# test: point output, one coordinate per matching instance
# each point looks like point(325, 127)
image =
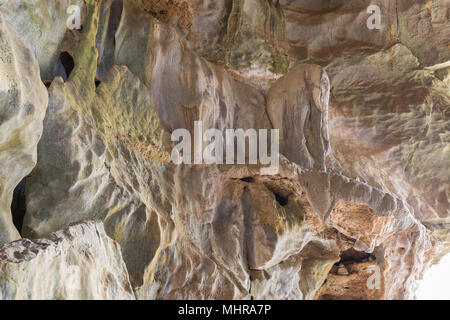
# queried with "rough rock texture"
point(402, 135)
point(359, 206)
point(81, 262)
point(297, 105)
point(41, 25)
point(23, 101)
point(247, 36)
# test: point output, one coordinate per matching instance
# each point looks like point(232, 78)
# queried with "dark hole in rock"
point(351, 256)
point(281, 200)
point(97, 82)
point(47, 83)
point(67, 62)
point(281, 194)
point(18, 205)
point(247, 179)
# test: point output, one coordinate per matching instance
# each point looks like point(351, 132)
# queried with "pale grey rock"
point(131, 42)
point(73, 181)
point(80, 262)
point(41, 25)
point(210, 234)
point(319, 32)
point(208, 231)
point(183, 86)
point(109, 20)
point(23, 101)
point(342, 26)
point(247, 36)
point(297, 105)
point(401, 145)
point(300, 275)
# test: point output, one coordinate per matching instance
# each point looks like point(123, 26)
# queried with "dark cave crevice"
point(18, 205)
point(352, 256)
point(282, 200)
point(280, 193)
point(67, 62)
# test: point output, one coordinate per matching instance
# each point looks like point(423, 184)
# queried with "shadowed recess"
point(18, 205)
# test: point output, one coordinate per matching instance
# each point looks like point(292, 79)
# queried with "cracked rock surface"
point(23, 101)
point(80, 262)
point(358, 209)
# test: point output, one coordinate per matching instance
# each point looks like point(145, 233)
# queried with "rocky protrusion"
point(297, 105)
point(23, 101)
point(80, 262)
point(41, 25)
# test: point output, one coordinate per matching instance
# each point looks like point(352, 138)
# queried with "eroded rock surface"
point(80, 262)
point(23, 101)
point(358, 208)
point(42, 26)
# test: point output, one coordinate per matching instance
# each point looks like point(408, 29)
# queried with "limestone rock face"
point(406, 133)
point(358, 208)
point(248, 36)
point(73, 150)
point(23, 101)
point(80, 262)
point(297, 105)
point(41, 25)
